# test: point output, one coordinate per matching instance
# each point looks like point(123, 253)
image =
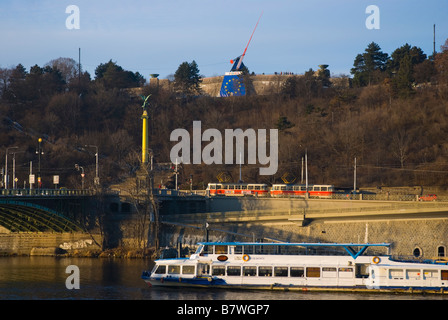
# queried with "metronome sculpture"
point(145, 134)
point(232, 84)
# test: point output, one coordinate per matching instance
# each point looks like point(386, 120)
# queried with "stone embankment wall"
point(45, 243)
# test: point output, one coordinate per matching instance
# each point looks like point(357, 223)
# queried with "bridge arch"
point(18, 216)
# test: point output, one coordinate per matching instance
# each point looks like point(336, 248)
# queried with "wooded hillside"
point(394, 123)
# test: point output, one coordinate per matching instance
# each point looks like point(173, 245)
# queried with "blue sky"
point(157, 36)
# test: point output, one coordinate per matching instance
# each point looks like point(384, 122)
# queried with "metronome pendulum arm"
point(244, 53)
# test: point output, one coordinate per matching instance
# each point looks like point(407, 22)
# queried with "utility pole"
point(354, 179)
point(306, 174)
point(434, 42)
point(6, 166)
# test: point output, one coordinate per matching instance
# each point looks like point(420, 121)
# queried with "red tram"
point(299, 190)
point(276, 191)
point(238, 189)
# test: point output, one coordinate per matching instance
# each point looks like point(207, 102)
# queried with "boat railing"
point(414, 259)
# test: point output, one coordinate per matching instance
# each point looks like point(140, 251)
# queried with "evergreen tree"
point(368, 66)
point(187, 79)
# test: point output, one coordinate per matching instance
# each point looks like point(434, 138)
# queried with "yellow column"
point(145, 137)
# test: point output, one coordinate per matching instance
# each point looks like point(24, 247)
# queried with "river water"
point(45, 278)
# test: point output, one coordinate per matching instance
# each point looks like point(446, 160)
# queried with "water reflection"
point(111, 279)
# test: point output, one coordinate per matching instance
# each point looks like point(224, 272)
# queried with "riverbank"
point(145, 253)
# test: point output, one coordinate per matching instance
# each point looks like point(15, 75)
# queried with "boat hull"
point(222, 284)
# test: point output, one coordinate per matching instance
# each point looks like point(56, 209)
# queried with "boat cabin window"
point(444, 274)
point(362, 270)
point(233, 271)
point(280, 271)
point(265, 271)
point(413, 274)
point(345, 272)
point(221, 249)
point(187, 269)
point(218, 270)
point(249, 249)
point(250, 271)
point(206, 249)
point(173, 269)
point(313, 272)
point(329, 272)
point(297, 272)
point(430, 274)
point(203, 269)
point(161, 270)
point(238, 249)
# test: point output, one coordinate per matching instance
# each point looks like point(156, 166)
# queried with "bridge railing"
point(45, 192)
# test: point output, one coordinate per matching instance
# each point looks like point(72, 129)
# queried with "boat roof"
point(354, 249)
point(304, 244)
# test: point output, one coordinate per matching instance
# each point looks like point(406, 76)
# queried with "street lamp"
point(39, 152)
point(97, 178)
point(6, 165)
point(77, 167)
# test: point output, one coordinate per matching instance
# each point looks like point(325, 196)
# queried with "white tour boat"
point(299, 266)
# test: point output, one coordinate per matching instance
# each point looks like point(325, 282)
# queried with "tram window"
point(280, 271)
point(265, 271)
point(243, 187)
point(313, 272)
point(441, 251)
point(187, 269)
point(218, 270)
point(283, 188)
point(257, 188)
point(296, 272)
point(220, 249)
point(238, 250)
point(173, 269)
point(323, 188)
point(249, 271)
point(161, 270)
point(233, 271)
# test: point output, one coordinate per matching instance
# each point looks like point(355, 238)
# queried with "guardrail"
point(45, 192)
